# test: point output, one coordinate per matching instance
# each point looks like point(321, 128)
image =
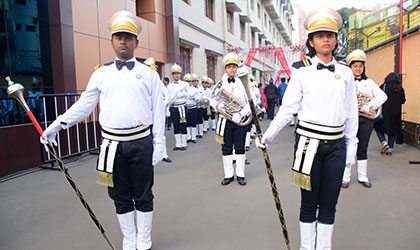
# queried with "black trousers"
point(200, 115)
point(213, 114)
point(133, 176)
point(363, 134)
point(192, 117)
point(326, 176)
point(179, 128)
point(271, 103)
point(205, 115)
point(234, 136)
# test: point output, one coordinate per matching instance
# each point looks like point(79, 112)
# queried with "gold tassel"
point(105, 178)
point(302, 180)
point(183, 120)
point(219, 139)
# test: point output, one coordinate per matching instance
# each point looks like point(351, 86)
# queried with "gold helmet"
point(231, 58)
point(124, 21)
point(151, 62)
point(357, 55)
point(205, 79)
point(176, 69)
point(323, 19)
point(188, 77)
point(195, 77)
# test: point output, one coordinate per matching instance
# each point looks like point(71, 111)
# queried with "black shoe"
point(176, 148)
point(204, 131)
point(183, 148)
point(247, 162)
point(345, 184)
point(199, 136)
point(167, 159)
point(213, 129)
point(188, 141)
point(194, 141)
point(169, 129)
point(246, 148)
point(241, 181)
point(366, 184)
point(226, 181)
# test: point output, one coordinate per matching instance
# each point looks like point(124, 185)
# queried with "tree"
point(343, 37)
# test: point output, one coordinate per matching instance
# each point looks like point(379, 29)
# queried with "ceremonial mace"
point(242, 73)
point(15, 90)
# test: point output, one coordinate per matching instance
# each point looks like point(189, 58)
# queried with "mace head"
point(14, 90)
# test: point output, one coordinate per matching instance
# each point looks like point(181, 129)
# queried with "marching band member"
point(152, 64)
point(200, 105)
point(192, 110)
point(213, 112)
point(228, 132)
point(205, 82)
point(356, 60)
point(132, 114)
point(323, 94)
point(178, 95)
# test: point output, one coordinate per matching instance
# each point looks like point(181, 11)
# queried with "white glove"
point(365, 108)
point(236, 118)
point(48, 137)
point(158, 149)
point(260, 144)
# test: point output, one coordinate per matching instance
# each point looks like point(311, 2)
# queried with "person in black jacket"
point(391, 110)
point(271, 92)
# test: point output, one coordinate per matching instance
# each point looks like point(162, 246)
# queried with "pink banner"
point(283, 62)
point(250, 57)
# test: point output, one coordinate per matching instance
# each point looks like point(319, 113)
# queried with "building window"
point(252, 4)
point(269, 25)
point(211, 67)
point(185, 54)
point(252, 39)
point(210, 9)
point(259, 10)
point(229, 21)
point(265, 20)
point(260, 42)
point(243, 32)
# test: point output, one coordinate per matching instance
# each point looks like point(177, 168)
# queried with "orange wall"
point(92, 45)
point(380, 62)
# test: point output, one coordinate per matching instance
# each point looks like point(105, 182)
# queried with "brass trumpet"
point(228, 105)
point(363, 99)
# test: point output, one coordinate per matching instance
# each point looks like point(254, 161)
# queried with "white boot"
point(178, 143)
point(347, 174)
point(228, 165)
point(206, 126)
point(144, 229)
point(362, 171)
point(200, 129)
point(324, 236)
point(194, 133)
point(213, 124)
point(307, 235)
point(128, 229)
point(247, 139)
point(240, 165)
point(189, 133)
point(183, 140)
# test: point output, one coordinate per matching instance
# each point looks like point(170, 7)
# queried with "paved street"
point(193, 211)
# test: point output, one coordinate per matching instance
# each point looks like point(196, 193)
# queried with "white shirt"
point(128, 98)
point(193, 94)
point(370, 88)
point(235, 89)
point(180, 89)
point(321, 97)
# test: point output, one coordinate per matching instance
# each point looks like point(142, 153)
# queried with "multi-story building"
point(368, 28)
point(208, 28)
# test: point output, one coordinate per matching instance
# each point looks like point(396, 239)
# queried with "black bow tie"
point(120, 64)
point(329, 67)
point(176, 82)
point(231, 80)
point(358, 79)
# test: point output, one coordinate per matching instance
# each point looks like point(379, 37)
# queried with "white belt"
point(320, 132)
point(125, 134)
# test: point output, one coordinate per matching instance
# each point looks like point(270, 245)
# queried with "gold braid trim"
point(302, 180)
point(105, 178)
